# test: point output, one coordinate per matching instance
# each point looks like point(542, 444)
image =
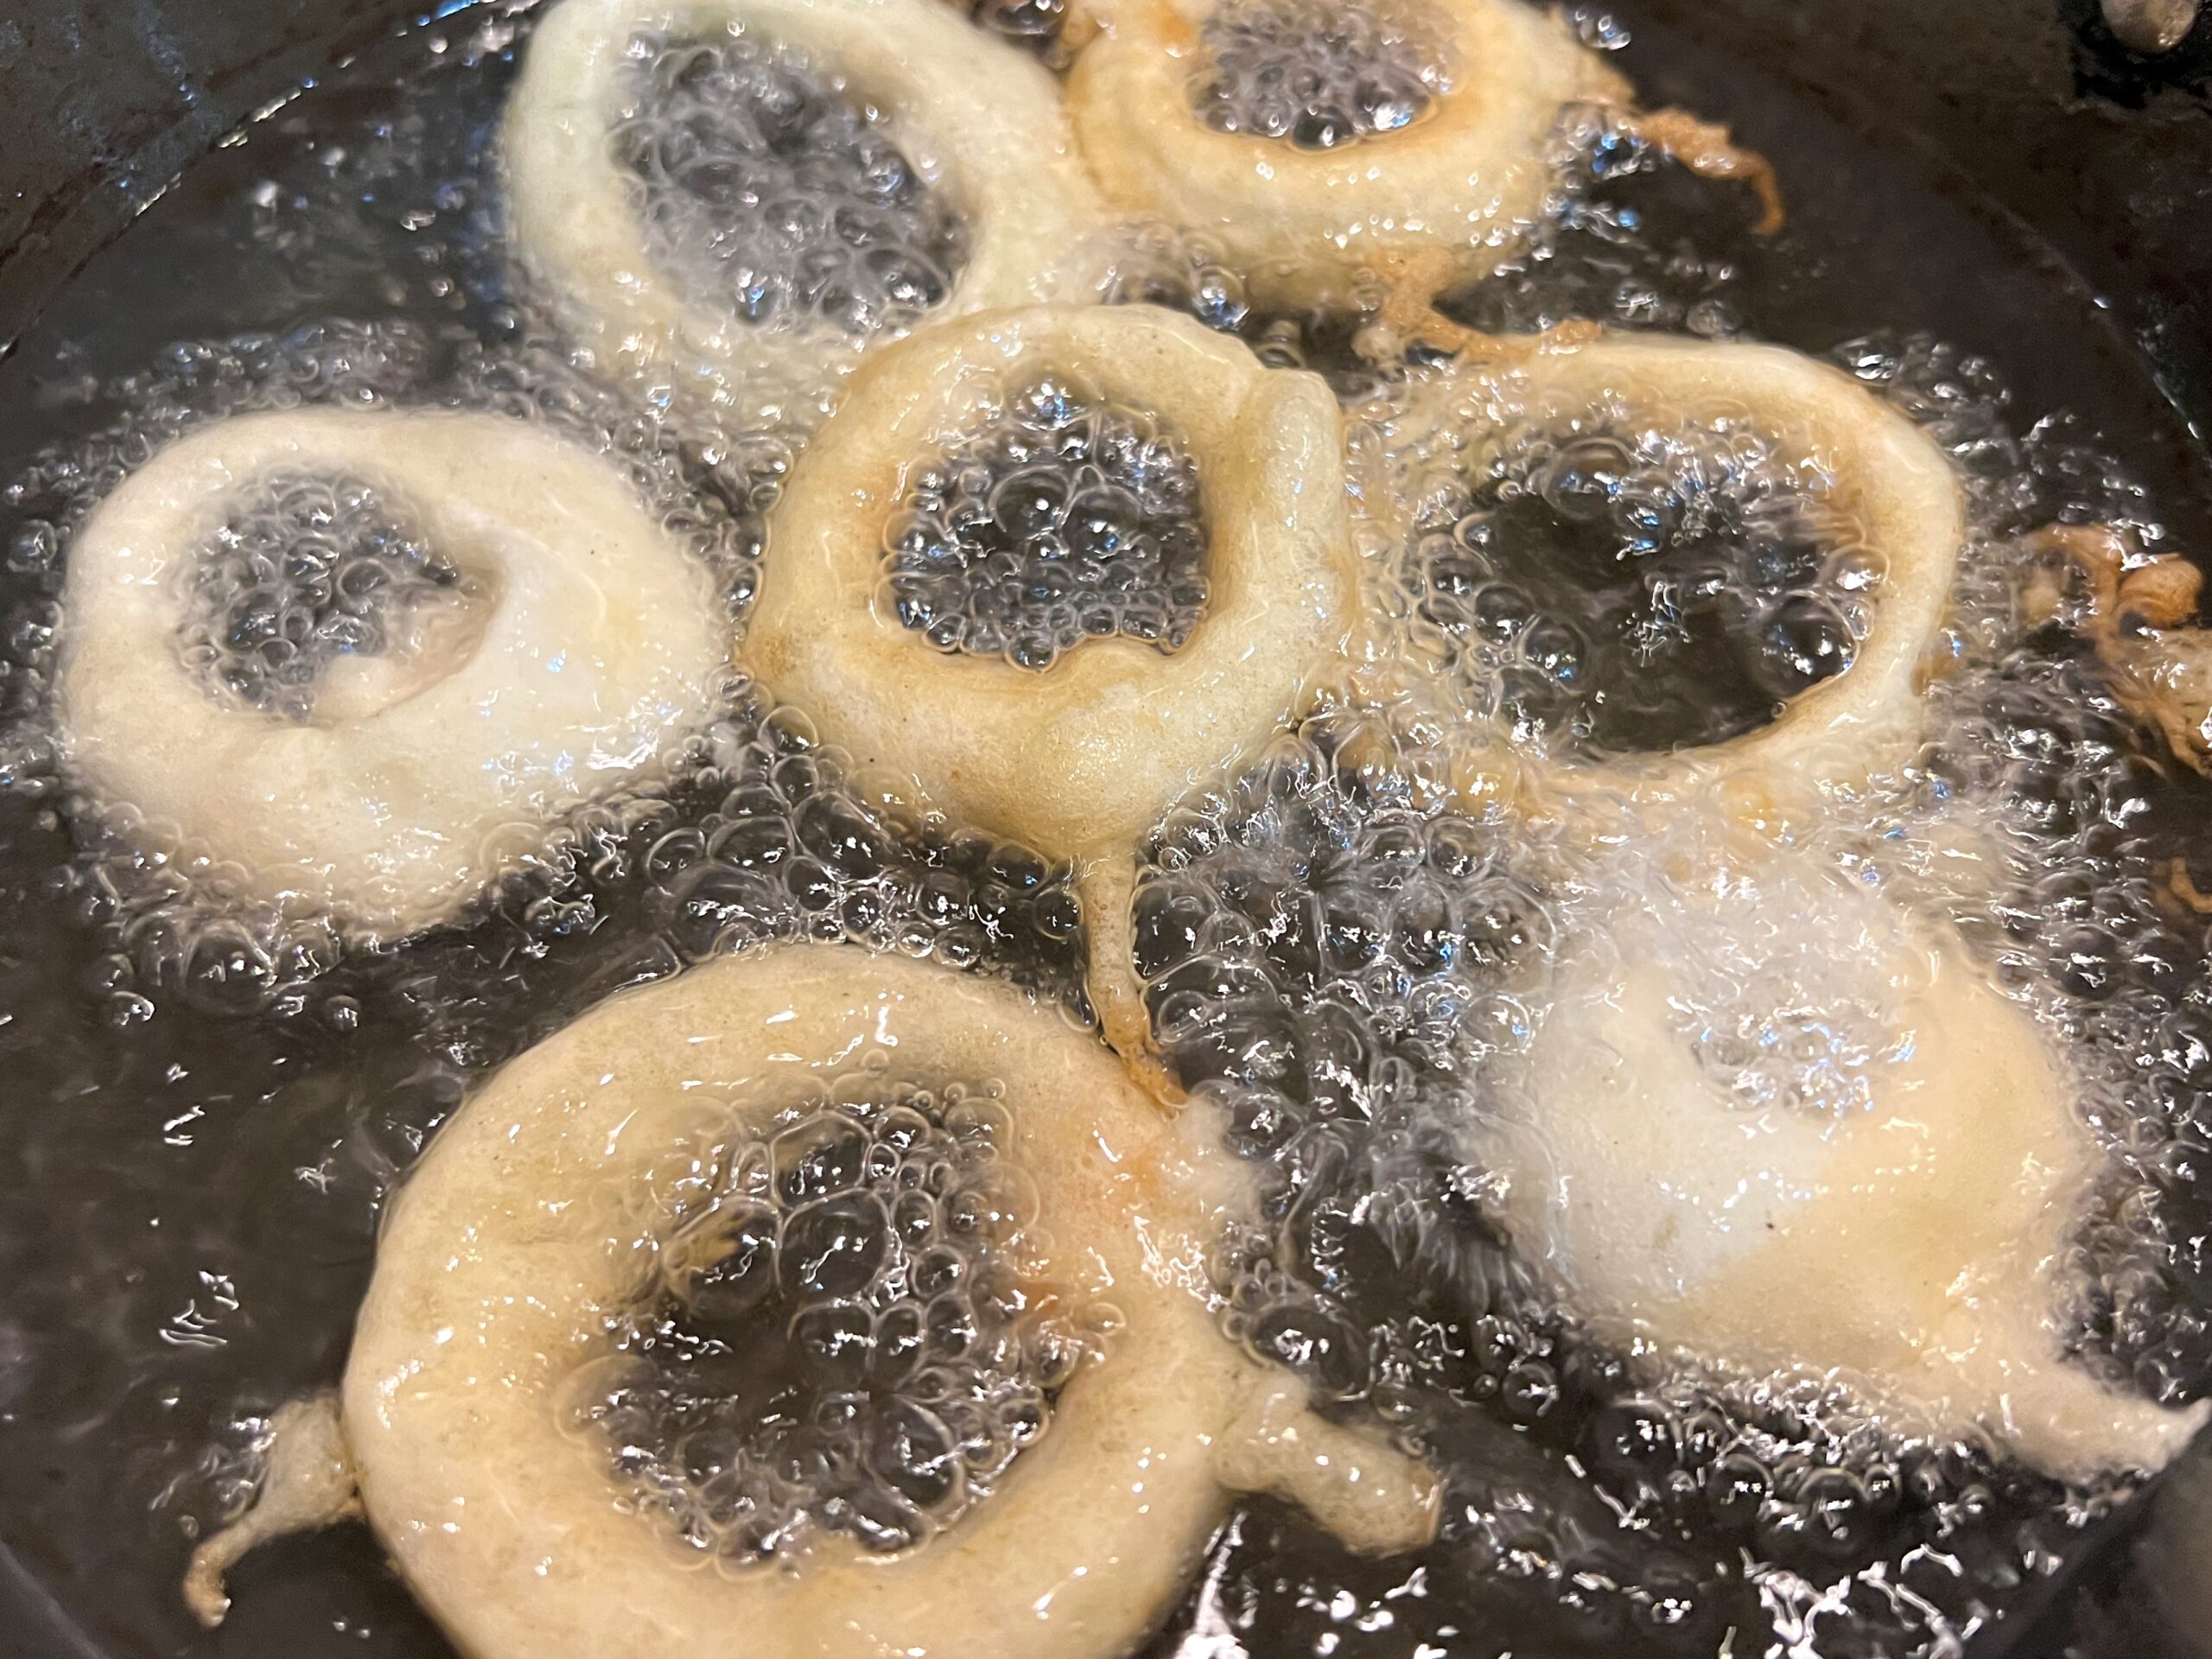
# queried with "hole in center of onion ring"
point(315, 601)
point(1639, 591)
point(770, 185)
point(1317, 75)
point(1059, 517)
point(838, 1338)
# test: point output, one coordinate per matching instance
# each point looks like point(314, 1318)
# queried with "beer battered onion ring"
point(974, 114)
point(523, 1233)
point(592, 642)
point(1890, 487)
point(1443, 200)
point(1898, 1213)
point(1081, 759)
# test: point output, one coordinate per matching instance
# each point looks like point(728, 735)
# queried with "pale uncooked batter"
point(1773, 1123)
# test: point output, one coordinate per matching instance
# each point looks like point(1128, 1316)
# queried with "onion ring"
point(1079, 760)
point(523, 1229)
point(1888, 485)
point(1776, 1124)
point(973, 115)
point(594, 645)
point(1443, 200)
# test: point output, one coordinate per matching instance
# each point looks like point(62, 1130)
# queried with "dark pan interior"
point(2079, 255)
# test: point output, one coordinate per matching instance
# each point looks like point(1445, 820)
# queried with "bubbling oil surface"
point(1639, 591)
point(304, 570)
point(773, 189)
point(836, 1342)
point(1318, 76)
point(1349, 964)
point(1061, 519)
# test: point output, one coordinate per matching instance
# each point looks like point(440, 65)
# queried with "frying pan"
point(2076, 250)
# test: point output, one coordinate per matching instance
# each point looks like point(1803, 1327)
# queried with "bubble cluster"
point(791, 844)
point(1351, 965)
point(836, 1341)
point(1808, 1040)
point(1632, 590)
point(210, 1048)
point(303, 569)
point(1152, 262)
point(770, 187)
point(2081, 902)
point(1611, 246)
point(1382, 1269)
point(1317, 75)
point(1061, 517)
point(2032, 823)
point(758, 833)
point(1334, 952)
point(1324, 935)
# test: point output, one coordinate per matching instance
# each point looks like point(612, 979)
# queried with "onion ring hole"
point(1657, 562)
point(372, 659)
point(1317, 75)
point(734, 1267)
point(1081, 758)
point(839, 1343)
point(739, 198)
point(1645, 591)
point(1057, 521)
point(305, 569)
point(762, 181)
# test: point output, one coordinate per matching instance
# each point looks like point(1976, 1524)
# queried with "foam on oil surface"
point(1318, 938)
point(835, 1344)
point(1059, 518)
point(772, 188)
point(1146, 262)
point(1318, 76)
point(2076, 903)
